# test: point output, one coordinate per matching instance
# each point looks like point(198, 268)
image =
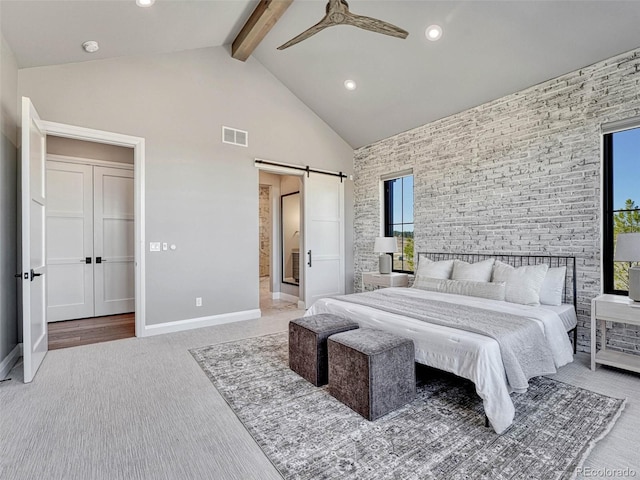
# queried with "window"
point(621, 201)
point(398, 220)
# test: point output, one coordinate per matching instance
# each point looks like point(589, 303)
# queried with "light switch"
point(154, 246)
point(164, 246)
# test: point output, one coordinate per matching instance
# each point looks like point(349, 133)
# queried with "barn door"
point(324, 270)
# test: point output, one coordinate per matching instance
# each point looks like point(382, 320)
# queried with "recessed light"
point(433, 32)
point(145, 3)
point(91, 46)
point(350, 84)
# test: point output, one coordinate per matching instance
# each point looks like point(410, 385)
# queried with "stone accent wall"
point(265, 229)
point(517, 175)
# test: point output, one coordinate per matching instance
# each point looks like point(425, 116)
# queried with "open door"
point(324, 269)
point(33, 204)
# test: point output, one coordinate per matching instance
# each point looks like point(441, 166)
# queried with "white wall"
point(201, 194)
point(8, 210)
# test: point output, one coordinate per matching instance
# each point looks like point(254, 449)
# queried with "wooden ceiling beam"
point(261, 21)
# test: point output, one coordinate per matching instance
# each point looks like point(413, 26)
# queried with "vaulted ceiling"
point(489, 48)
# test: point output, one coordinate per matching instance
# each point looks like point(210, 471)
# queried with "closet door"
point(113, 241)
point(69, 241)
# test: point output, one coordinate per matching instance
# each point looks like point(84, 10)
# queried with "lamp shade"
point(385, 245)
point(627, 247)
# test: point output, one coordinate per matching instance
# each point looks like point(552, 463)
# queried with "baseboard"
point(9, 361)
point(301, 305)
point(191, 323)
point(286, 297)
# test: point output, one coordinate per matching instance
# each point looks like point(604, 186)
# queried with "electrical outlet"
point(198, 301)
point(154, 246)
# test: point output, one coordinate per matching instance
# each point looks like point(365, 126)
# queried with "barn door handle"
point(100, 260)
point(309, 263)
point(86, 260)
point(34, 274)
point(19, 275)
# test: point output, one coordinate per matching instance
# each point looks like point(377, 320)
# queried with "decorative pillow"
point(553, 286)
point(493, 291)
point(523, 283)
point(431, 269)
point(475, 272)
point(501, 271)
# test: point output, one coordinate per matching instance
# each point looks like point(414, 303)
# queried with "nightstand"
point(393, 279)
point(618, 309)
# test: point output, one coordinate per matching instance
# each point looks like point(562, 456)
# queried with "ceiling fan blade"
point(321, 25)
point(338, 14)
point(375, 25)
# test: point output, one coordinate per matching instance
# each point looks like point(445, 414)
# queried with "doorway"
point(321, 252)
point(275, 292)
point(89, 242)
point(33, 206)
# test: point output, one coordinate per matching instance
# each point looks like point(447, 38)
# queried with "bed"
point(469, 354)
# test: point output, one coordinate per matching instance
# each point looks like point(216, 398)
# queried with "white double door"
point(90, 241)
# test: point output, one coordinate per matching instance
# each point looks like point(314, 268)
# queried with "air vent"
point(235, 137)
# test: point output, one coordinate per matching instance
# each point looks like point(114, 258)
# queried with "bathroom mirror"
point(290, 227)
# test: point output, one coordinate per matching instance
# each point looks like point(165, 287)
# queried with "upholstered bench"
point(371, 371)
point(308, 344)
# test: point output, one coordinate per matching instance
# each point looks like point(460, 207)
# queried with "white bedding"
point(466, 354)
point(567, 314)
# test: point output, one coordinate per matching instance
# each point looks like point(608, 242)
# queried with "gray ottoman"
point(371, 371)
point(308, 344)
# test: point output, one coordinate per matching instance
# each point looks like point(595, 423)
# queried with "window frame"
point(608, 211)
point(387, 210)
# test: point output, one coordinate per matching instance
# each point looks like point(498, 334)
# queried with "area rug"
point(307, 434)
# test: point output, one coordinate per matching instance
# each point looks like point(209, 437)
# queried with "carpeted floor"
point(307, 434)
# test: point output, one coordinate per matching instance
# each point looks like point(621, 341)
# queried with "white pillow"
point(553, 286)
point(431, 269)
point(501, 271)
point(523, 283)
point(475, 272)
point(493, 291)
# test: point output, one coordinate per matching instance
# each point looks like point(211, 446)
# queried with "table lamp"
point(384, 246)
point(628, 250)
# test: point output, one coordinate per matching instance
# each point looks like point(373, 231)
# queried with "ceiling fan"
point(338, 14)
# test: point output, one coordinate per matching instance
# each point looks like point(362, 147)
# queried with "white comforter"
point(466, 354)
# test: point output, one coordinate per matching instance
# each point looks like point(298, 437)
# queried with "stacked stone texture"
point(518, 175)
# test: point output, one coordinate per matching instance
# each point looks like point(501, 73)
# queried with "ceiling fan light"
point(145, 3)
point(433, 32)
point(350, 84)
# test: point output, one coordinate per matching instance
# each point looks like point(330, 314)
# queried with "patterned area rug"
point(307, 434)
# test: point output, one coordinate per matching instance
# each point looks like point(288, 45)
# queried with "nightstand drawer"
point(619, 312)
point(385, 279)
